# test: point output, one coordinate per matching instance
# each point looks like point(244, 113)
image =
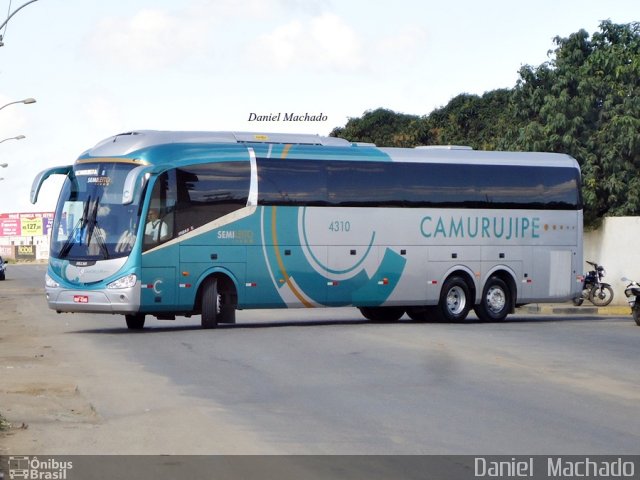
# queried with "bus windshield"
point(91, 223)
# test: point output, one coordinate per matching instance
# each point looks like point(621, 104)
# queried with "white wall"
point(613, 245)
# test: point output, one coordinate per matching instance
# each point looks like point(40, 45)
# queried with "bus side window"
point(209, 191)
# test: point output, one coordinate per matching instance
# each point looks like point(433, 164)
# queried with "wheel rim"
point(602, 296)
point(496, 299)
point(456, 300)
point(218, 303)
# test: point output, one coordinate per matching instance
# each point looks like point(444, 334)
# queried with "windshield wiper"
point(94, 232)
point(80, 224)
point(99, 238)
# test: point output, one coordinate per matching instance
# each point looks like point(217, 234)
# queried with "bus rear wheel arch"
point(497, 300)
point(217, 300)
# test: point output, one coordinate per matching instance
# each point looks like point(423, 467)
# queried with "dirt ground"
point(61, 395)
point(37, 387)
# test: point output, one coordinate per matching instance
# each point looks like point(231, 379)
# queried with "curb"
point(563, 309)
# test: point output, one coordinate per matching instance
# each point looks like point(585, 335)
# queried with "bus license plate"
point(81, 298)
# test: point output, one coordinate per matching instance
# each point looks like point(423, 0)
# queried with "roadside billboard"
point(33, 224)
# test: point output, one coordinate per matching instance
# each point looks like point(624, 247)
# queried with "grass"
point(4, 424)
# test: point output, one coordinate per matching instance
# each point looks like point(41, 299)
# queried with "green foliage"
point(4, 424)
point(382, 127)
point(585, 101)
point(471, 120)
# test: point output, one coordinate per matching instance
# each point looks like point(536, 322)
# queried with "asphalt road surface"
point(317, 382)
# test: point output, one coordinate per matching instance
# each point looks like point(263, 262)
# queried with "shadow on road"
point(473, 322)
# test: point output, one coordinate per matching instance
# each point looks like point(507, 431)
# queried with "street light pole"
point(19, 137)
point(11, 15)
point(26, 101)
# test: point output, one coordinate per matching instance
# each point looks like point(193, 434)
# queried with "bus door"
point(159, 261)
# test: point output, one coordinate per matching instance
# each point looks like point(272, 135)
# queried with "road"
point(313, 382)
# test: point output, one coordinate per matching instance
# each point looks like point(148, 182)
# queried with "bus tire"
point(135, 321)
point(382, 314)
point(454, 304)
point(211, 304)
point(495, 303)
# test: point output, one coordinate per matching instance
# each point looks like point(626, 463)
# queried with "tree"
point(383, 127)
point(586, 102)
point(479, 122)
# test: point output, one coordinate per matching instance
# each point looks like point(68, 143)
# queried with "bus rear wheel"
point(454, 304)
point(135, 321)
point(382, 314)
point(495, 303)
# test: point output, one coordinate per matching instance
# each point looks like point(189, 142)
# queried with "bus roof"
point(126, 143)
point(485, 157)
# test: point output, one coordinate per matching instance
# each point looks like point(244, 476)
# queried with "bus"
point(166, 224)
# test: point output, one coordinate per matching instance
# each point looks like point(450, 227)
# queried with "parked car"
point(2, 268)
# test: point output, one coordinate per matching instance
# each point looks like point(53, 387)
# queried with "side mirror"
point(136, 180)
point(134, 183)
point(43, 175)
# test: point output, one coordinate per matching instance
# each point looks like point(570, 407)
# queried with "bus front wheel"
point(495, 303)
point(211, 303)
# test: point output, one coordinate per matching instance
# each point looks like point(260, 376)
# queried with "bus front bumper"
point(121, 300)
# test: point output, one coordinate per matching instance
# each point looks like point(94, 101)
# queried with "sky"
point(98, 68)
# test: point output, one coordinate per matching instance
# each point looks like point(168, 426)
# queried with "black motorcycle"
point(632, 291)
point(594, 289)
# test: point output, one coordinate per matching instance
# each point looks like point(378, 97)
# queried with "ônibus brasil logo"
point(38, 469)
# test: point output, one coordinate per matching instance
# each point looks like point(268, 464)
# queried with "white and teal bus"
point(204, 223)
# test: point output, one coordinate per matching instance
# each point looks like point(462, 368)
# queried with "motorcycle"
point(632, 292)
point(594, 289)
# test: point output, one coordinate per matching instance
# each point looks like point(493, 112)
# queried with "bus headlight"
point(127, 281)
point(50, 282)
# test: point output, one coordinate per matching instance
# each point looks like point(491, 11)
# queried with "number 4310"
point(340, 226)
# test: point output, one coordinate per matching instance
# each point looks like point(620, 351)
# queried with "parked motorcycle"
point(594, 289)
point(632, 291)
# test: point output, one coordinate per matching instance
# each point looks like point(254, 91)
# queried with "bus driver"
point(156, 229)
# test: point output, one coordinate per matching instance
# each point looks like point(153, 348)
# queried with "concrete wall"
point(613, 245)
